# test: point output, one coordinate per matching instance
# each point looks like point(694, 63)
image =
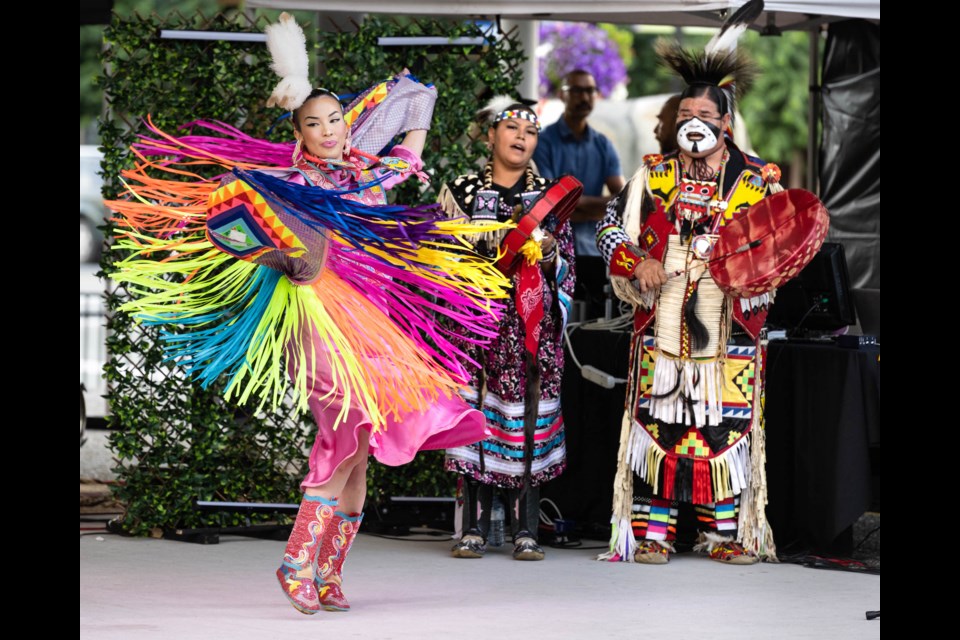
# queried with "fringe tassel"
point(623, 482)
point(633, 210)
point(448, 203)
point(245, 321)
point(719, 476)
point(655, 458)
point(622, 543)
point(727, 471)
point(410, 381)
point(638, 455)
point(238, 318)
point(753, 530)
point(492, 233)
point(702, 487)
point(712, 480)
point(739, 465)
point(682, 385)
point(699, 481)
point(626, 291)
point(231, 147)
point(669, 478)
point(493, 238)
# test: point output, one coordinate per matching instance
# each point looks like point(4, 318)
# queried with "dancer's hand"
point(548, 243)
point(650, 275)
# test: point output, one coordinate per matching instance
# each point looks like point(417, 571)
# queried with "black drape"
point(822, 418)
point(850, 150)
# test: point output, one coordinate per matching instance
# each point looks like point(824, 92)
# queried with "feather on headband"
point(288, 49)
point(495, 105)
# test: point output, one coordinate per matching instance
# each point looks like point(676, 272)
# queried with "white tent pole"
point(528, 35)
point(813, 114)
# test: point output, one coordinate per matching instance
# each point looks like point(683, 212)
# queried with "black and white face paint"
point(696, 136)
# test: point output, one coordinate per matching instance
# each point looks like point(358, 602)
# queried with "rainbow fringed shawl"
point(242, 271)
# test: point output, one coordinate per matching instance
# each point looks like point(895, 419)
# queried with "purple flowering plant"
point(578, 45)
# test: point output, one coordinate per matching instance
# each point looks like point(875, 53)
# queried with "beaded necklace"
point(699, 205)
point(328, 165)
point(529, 186)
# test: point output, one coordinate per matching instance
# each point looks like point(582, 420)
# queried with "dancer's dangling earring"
point(298, 151)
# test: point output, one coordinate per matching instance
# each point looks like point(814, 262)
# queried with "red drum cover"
point(790, 227)
point(561, 198)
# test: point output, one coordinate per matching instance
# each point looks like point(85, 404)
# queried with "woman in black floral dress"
point(518, 393)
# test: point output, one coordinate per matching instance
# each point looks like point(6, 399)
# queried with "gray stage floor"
point(143, 588)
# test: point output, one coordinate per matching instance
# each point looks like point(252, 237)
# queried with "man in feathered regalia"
point(691, 429)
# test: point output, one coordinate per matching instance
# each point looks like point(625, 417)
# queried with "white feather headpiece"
point(725, 40)
point(288, 48)
point(495, 105)
point(718, 64)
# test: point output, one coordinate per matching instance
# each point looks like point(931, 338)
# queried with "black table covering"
point(822, 417)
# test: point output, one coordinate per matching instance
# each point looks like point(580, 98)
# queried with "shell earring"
point(298, 151)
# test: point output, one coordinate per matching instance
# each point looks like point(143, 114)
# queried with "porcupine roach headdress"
point(724, 73)
point(207, 260)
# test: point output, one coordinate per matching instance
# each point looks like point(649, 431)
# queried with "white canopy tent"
point(798, 14)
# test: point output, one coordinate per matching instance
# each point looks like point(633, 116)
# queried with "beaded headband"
point(518, 113)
